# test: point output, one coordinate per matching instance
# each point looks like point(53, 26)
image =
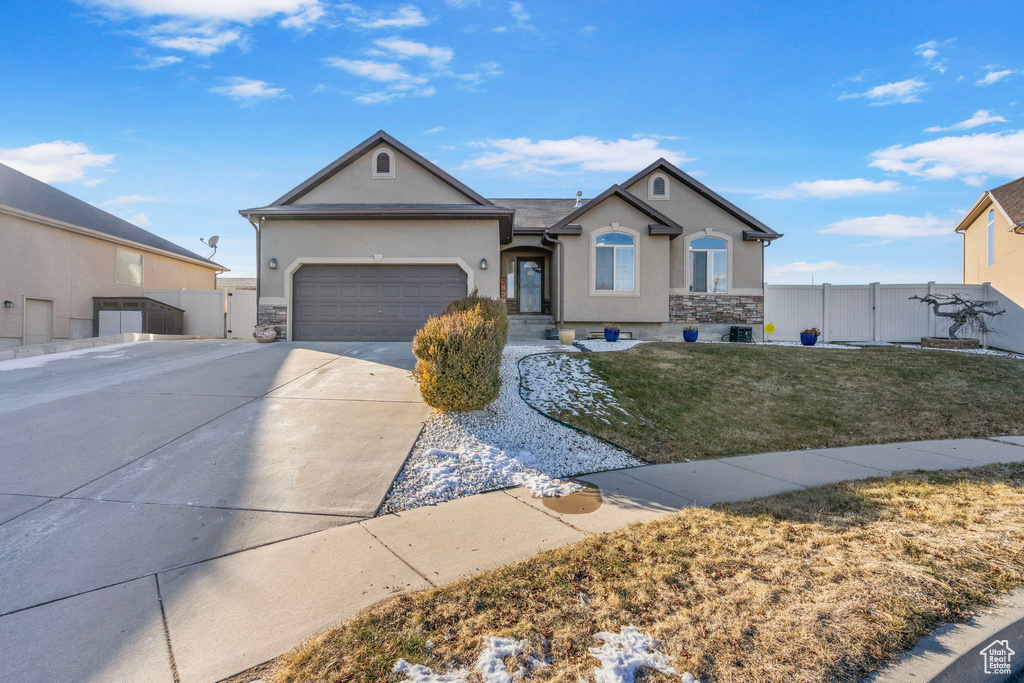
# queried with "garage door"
point(370, 302)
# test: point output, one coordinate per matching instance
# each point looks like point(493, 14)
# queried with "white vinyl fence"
point(219, 313)
point(878, 312)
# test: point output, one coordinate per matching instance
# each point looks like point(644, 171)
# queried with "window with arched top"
point(383, 164)
point(657, 187)
point(614, 262)
point(709, 264)
point(991, 237)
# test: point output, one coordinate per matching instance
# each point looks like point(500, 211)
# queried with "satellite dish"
point(211, 243)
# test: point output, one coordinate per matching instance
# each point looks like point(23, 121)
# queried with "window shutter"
point(383, 163)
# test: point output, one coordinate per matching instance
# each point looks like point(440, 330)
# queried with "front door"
point(531, 285)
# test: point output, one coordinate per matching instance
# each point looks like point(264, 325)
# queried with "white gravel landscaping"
point(508, 443)
point(598, 345)
point(560, 382)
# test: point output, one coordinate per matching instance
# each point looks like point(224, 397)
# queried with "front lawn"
point(819, 585)
point(691, 401)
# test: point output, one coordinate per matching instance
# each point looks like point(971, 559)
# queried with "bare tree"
point(965, 313)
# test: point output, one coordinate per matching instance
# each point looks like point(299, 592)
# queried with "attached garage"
point(364, 302)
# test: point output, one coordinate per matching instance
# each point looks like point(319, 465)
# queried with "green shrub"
point(459, 354)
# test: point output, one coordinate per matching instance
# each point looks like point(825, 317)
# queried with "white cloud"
point(54, 162)
point(435, 129)
point(406, 16)
point(207, 10)
point(967, 157)
point(140, 219)
point(129, 199)
point(520, 15)
point(381, 72)
point(248, 90)
point(200, 39)
point(461, 4)
point(438, 57)
point(580, 153)
point(158, 62)
point(803, 269)
point(93, 182)
point(892, 226)
point(306, 19)
point(980, 118)
point(480, 74)
point(833, 189)
point(900, 92)
point(930, 53)
point(995, 76)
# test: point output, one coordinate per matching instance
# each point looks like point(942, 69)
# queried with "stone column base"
point(276, 316)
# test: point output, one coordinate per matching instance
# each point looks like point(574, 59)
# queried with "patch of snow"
point(980, 352)
point(506, 444)
point(489, 667)
point(626, 652)
point(417, 673)
point(44, 358)
point(561, 383)
point(599, 345)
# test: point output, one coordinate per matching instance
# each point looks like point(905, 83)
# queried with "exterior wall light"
point(483, 264)
point(273, 264)
point(8, 304)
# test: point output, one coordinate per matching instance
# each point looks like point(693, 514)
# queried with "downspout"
point(560, 289)
point(257, 227)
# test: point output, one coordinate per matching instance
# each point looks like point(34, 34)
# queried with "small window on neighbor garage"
point(129, 268)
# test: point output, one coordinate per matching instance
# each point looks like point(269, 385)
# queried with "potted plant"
point(265, 333)
point(809, 337)
point(690, 333)
point(611, 332)
point(566, 337)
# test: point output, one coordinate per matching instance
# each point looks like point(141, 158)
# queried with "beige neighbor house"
point(57, 252)
point(993, 233)
point(380, 239)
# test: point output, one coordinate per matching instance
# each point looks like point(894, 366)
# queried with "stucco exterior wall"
point(1007, 273)
point(649, 303)
point(412, 184)
point(39, 261)
point(696, 214)
point(409, 240)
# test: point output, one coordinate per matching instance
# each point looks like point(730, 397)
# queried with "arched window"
point(658, 187)
point(614, 260)
point(383, 164)
point(991, 237)
point(709, 265)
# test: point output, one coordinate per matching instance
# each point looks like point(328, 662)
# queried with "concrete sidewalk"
point(227, 614)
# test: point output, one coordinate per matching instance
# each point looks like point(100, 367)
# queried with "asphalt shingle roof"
point(25, 193)
point(538, 213)
point(1011, 197)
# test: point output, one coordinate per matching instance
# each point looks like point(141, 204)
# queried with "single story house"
point(59, 252)
point(380, 239)
point(993, 233)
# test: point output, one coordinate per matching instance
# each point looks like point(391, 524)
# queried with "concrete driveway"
point(129, 461)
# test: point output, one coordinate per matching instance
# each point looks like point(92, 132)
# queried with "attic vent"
point(383, 164)
point(659, 187)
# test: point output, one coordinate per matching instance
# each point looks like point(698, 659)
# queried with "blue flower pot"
point(808, 339)
point(611, 335)
point(690, 335)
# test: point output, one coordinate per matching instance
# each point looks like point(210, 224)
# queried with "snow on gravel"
point(44, 358)
point(599, 345)
point(980, 352)
point(508, 443)
point(562, 383)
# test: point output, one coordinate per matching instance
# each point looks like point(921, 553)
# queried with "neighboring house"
point(248, 283)
point(58, 252)
point(993, 233)
point(382, 238)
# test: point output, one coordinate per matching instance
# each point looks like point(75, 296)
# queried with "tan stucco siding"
point(412, 184)
point(291, 240)
point(39, 261)
point(1007, 272)
point(696, 214)
point(649, 303)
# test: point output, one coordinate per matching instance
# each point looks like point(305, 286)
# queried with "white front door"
point(38, 321)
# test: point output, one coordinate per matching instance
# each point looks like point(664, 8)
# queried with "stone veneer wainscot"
point(716, 309)
point(274, 315)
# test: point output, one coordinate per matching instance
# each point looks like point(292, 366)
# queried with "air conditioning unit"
point(741, 334)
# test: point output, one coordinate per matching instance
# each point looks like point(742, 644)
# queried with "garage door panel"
point(367, 302)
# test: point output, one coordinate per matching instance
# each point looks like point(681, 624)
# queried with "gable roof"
point(704, 191)
point(349, 157)
point(663, 226)
point(1011, 197)
point(25, 194)
point(538, 214)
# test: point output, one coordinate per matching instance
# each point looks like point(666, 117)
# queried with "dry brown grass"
point(818, 585)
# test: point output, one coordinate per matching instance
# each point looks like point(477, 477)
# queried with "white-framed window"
point(658, 187)
point(991, 237)
point(128, 270)
point(382, 164)
point(709, 264)
point(615, 262)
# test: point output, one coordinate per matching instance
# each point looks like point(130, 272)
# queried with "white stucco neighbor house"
point(380, 239)
point(58, 252)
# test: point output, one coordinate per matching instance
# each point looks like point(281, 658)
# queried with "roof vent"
point(579, 198)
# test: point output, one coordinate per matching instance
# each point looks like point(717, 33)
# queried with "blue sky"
point(860, 130)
